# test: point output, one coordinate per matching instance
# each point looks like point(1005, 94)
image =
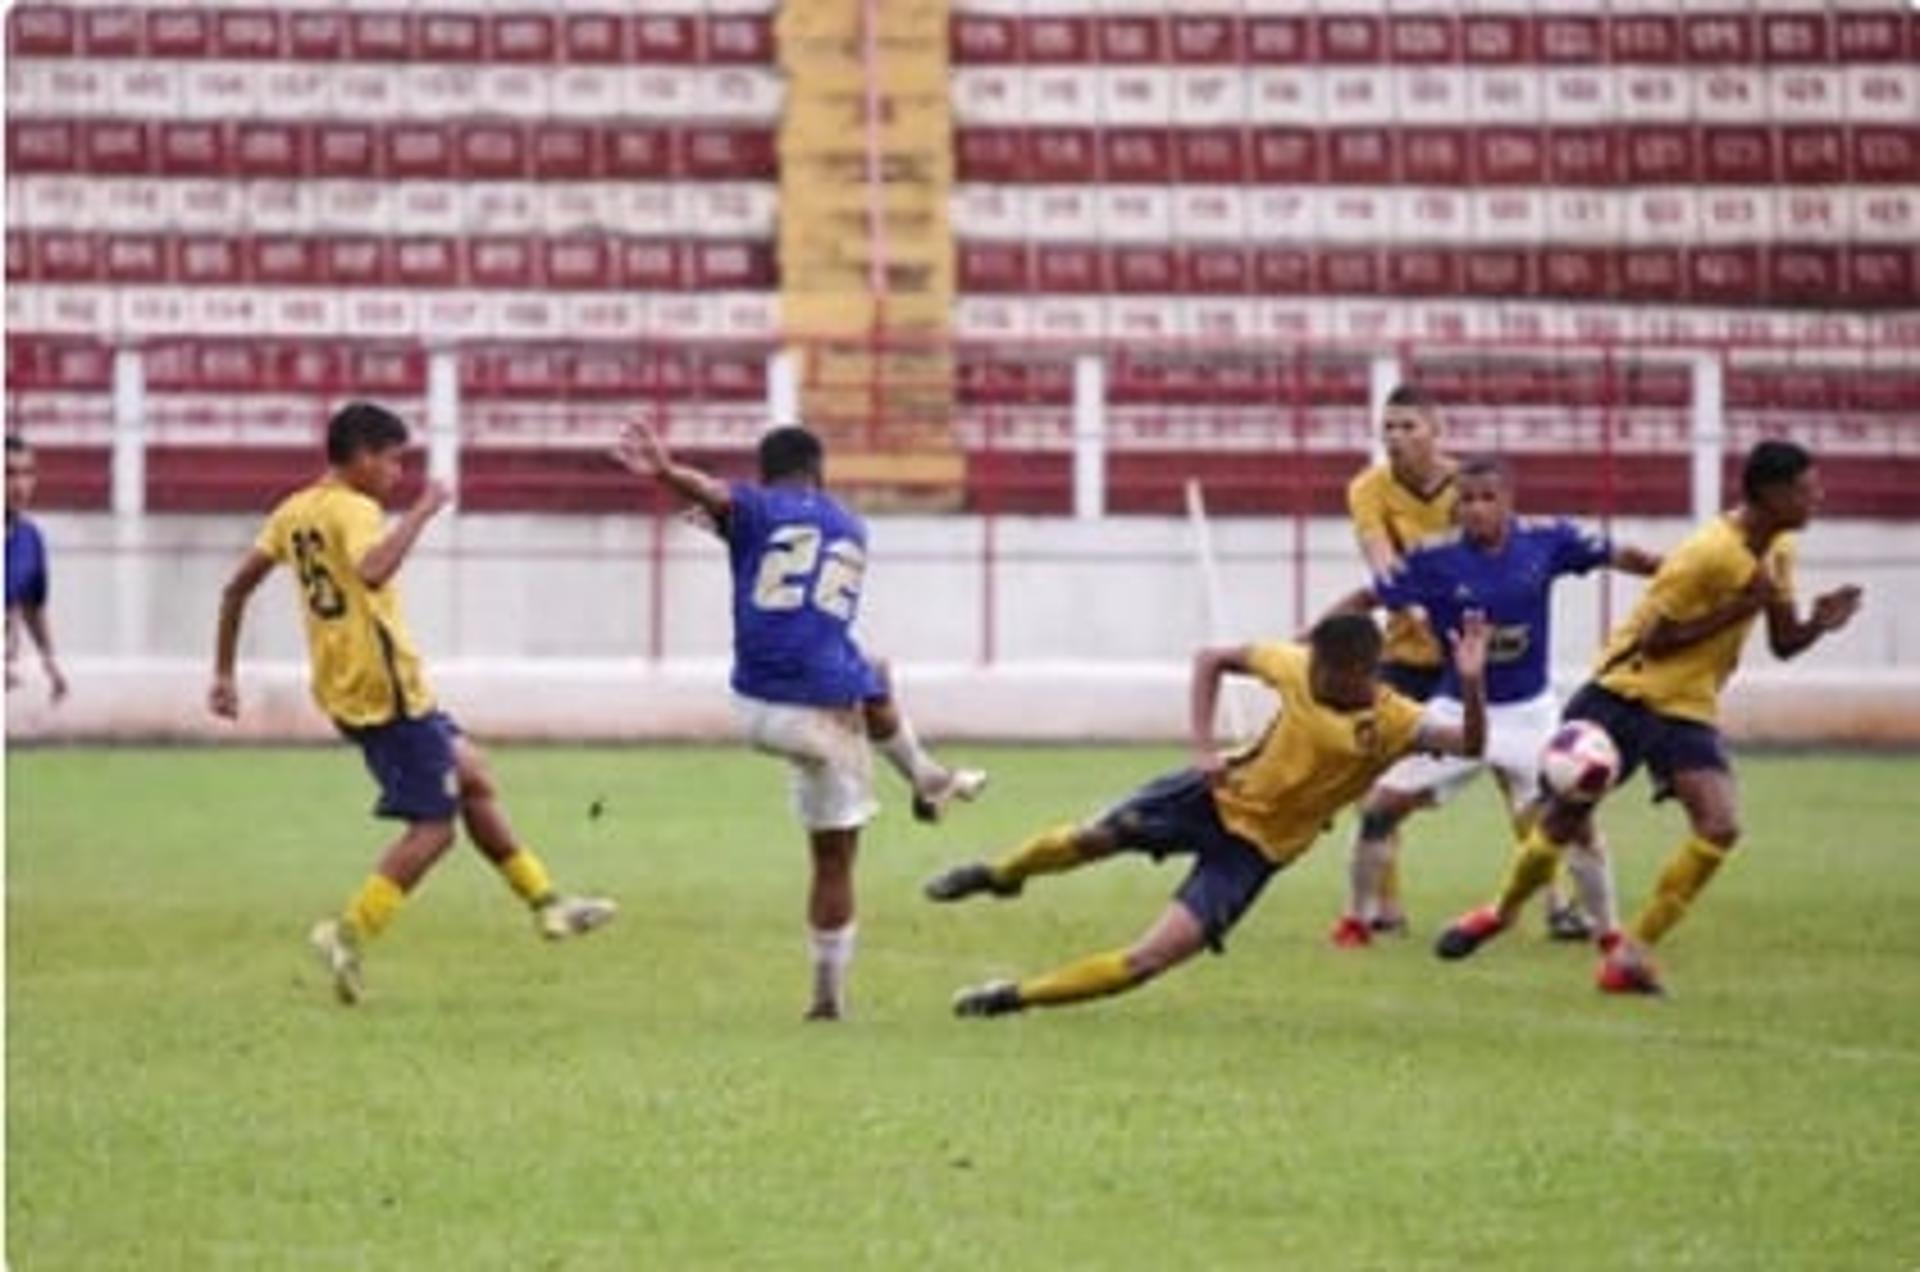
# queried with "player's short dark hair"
point(1346, 640)
point(359, 426)
point(1411, 396)
point(790, 451)
point(1773, 463)
point(1483, 464)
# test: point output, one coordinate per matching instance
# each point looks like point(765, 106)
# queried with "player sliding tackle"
point(1656, 691)
point(1241, 817)
point(803, 690)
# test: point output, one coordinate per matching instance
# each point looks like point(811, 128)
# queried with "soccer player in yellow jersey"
point(1241, 817)
point(1656, 691)
point(1395, 506)
point(366, 676)
point(1410, 499)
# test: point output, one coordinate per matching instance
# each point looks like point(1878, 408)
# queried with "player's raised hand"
point(1470, 645)
point(433, 497)
point(640, 450)
point(223, 699)
point(1833, 610)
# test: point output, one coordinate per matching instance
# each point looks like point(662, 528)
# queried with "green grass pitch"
point(182, 1092)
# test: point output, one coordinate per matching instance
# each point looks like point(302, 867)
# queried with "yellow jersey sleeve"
point(1399, 718)
point(1367, 506)
point(1690, 579)
point(1280, 664)
point(358, 525)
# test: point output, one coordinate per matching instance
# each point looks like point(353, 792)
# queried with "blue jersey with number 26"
point(798, 561)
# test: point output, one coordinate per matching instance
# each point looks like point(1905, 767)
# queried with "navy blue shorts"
point(1409, 681)
point(412, 762)
point(1665, 744)
point(1176, 814)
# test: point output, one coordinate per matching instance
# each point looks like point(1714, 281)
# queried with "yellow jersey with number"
point(365, 669)
point(1381, 506)
point(1707, 571)
point(1312, 761)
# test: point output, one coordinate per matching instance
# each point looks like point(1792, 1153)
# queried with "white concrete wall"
point(542, 625)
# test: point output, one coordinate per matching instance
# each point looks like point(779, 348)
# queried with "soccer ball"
point(1580, 762)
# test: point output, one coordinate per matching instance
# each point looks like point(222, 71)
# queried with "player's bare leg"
point(934, 785)
point(555, 916)
point(1052, 851)
point(1176, 936)
point(338, 942)
point(830, 919)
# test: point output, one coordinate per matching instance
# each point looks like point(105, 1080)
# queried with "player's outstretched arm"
point(1631, 560)
point(641, 452)
point(223, 699)
point(1203, 697)
point(382, 560)
point(1470, 664)
point(1788, 634)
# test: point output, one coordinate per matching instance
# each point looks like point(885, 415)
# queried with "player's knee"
point(1563, 821)
point(1149, 961)
point(1379, 820)
point(476, 781)
point(431, 838)
point(1719, 828)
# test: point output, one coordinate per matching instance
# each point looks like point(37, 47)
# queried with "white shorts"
point(827, 746)
point(1516, 733)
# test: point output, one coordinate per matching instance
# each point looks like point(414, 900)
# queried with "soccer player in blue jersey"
point(803, 688)
point(27, 571)
point(1504, 567)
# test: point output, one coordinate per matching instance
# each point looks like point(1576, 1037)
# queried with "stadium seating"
point(284, 205)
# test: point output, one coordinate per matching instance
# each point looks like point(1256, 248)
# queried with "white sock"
point(832, 955)
point(1593, 877)
point(1370, 860)
point(903, 750)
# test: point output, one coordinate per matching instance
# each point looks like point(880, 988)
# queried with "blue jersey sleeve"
point(746, 514)
point(26, 567)
point(1577, 551)
point(1412, 583)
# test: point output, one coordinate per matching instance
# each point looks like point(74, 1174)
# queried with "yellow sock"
point(527, 876)
point(1091, 977)
point(1534, 859)
point(1048, 852)
point(1686, 873)
point(373, 907)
